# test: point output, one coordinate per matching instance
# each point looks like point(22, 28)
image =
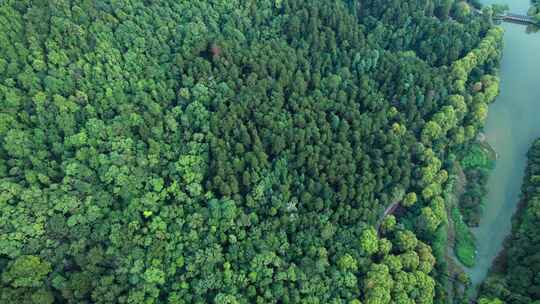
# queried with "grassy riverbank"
point(479, 156)
point(465, 244)
point(476, 162)
point(473, 171)
point(457, 281)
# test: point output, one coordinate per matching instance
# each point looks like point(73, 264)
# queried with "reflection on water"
point(532, 29)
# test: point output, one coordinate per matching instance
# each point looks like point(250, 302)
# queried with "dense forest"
point(515, 277)
point(233, 151)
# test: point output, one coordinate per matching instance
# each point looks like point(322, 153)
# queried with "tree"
point(410, 199)
point(347, 262)
point(429, 222)
point(406, 240)
point(431, 131)
point(461, 10)
point(378, 284)
point(389, 224)
point(26, 271)
point(369, 242)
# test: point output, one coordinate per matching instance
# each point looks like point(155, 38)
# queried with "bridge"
point(516, 18)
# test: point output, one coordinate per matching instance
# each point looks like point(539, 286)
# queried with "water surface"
point(512, 125)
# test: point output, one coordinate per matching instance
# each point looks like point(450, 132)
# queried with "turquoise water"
point(512, 125)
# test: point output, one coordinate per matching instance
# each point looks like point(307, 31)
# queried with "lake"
point(512, 125)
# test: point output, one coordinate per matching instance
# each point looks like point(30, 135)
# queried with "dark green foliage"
point(515, 277)
point(231, 151)
point(534, 11)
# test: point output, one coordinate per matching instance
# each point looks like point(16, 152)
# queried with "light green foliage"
point(17, 143)
point(410, 199)
point(385, 247)
point(486, 49)
point(477, 157)
point(389, 223)
point(406, 240)
point(431, 168)
point(410, 260)
point(429, 221)
point(347, 262)
point(490, 84)
point(369, 243)
point(479, 112)
point(393, 263)
point(490, 301)
point(378, 284)
point(431, 131)
point(462, 9)
point(154, 276)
